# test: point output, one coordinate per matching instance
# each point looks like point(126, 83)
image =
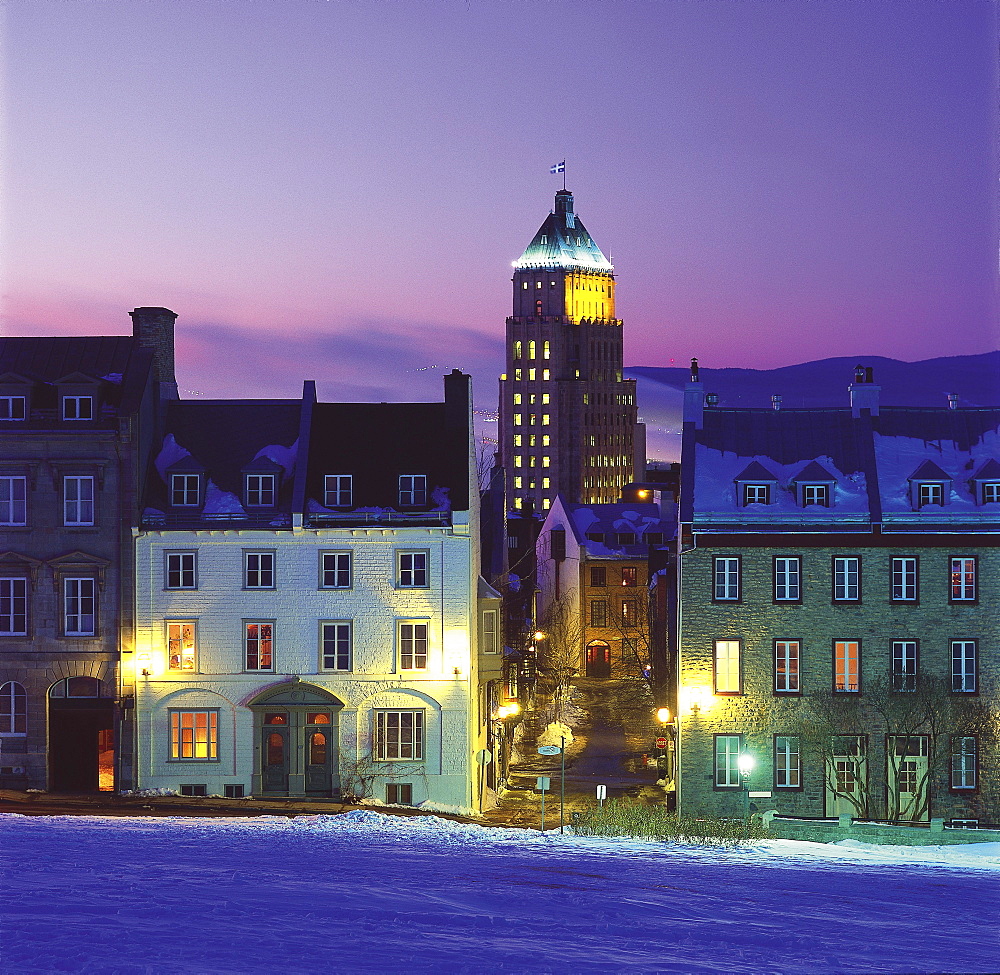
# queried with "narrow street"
point(613, 726)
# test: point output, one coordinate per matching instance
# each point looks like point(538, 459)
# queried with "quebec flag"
point(558, 167)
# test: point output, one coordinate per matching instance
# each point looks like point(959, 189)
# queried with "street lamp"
point(745, 764)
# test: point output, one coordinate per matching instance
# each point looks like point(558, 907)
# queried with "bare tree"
point(360, 771)
point(561, 648)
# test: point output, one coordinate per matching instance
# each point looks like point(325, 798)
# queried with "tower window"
point(538, 284)
point(545, 374)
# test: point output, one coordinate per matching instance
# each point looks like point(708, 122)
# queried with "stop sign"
point(661, 743)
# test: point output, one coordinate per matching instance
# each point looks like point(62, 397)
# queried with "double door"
point(298, 753)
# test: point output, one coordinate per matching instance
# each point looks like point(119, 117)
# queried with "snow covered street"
point(367, 892)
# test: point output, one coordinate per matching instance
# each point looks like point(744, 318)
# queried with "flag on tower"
point(558, 168)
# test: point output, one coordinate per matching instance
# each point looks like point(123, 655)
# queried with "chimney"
point(694, 399)
point(154, 328)
point(864, 392)
point(953, 401)
point(776, 403)
point(457, 400)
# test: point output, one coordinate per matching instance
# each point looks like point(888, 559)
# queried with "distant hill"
point(975, 378)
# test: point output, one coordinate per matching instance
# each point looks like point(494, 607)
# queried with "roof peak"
point(563, 242)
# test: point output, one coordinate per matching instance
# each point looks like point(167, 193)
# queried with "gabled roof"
point(812, 472)
point(755, 471)
point(929, 471)
point(989, 471)
point(563, 242)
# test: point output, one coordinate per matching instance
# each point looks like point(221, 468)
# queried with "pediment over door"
point(295, 694)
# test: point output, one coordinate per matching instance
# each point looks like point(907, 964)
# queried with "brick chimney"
point(154, 328)
point(864, 392)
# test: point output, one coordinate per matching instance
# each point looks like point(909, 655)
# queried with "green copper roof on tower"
point(562, 242)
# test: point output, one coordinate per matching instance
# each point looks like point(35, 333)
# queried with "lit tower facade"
point(568, 418)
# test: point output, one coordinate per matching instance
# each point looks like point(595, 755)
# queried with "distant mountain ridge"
point(822, 383)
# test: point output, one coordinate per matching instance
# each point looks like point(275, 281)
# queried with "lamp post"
point(745, 764)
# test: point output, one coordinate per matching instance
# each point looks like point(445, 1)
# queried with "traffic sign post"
point(661, 743)
point(602, 794)
point(542, 784)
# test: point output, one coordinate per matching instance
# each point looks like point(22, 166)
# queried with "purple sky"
point(336, 190)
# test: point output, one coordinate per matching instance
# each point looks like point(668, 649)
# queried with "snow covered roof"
point(613, 531)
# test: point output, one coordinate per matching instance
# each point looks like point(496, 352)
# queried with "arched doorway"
point(296, 741)
point(598, 659)
point(81, 736)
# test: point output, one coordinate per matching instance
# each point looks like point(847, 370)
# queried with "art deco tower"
point(568, 418)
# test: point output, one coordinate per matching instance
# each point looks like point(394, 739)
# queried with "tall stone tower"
point(568, 418)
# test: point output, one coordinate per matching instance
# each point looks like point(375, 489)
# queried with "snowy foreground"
point(365, 892)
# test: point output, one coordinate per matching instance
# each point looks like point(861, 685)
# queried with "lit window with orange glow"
point(727, 667)
point(182, 645)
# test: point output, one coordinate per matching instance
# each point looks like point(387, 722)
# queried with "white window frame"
point(903, 579)
point(73, 407)
point(182, 646)
point(787, 762)
point(14, 713)
point(413, 645)
point(176, 563)
point(788, 579)
point(904, 665)
point(338, 490)
point(336, 646)
point(394, 741)
point(412, 569)
point(185, 490)
point(847, 579)
point(491, 631)
point(726, 579)
point(261, 490)
point(727, 676)
point(194, 735)
point(846, 664)
point(13, 606)
point(78, 500)
point(787, 666)
point(726, 751)
point(79, 594)
point(964, 762)
point(258, 641)
point(756, 494)
point(930, 493)
point(963, 579)
point(13, 500)
point(991, 492)
point(964, 667)
point(816, 494)
point(412, 490)
point(341, 572)
point(259, 569)
point(7, 407)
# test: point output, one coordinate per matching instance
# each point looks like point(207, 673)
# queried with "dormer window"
point(185, 490)
point(814, 486)
point(338, 490)
point(930, 492)
point(990, 492)
point(78, 407)
point(816, 494)
point(412, 490)
point(754, 485)
point(13, 407)
point(986, 483)
point(756, 494)
point(260, 490)
point(929, 485)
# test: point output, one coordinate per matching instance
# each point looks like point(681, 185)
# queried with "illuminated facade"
point(839, 607)
point(568, 417)
point(311, 619)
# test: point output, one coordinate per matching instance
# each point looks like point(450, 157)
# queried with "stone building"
point(839, 608)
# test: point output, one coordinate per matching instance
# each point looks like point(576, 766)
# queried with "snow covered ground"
point(365, 892)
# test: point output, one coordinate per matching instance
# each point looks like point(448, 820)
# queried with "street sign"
point(549, 749)
point(602, 792)
point(760, 795)
point(484, 756)
point(661, 743)
point(542, 783)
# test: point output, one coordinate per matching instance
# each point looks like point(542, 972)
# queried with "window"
point(258, 641)
point(929, 492)
point(185, 490)
point(546, 345)
point(335, 645)
point(598, 576)
point(629, 572)
point(78, 500)
point(78, 407)
point(12, 407)
point(335, 570)
point(630, 612)
point(491, 631)
point(260, 490)
point(258, 570)
point(727, 666)
point(13, 709)
point(964, 762)
point(13, 500)
point(194, 736)
point(399, 736)
point(79, 599)
point(13, 607)
point(846, 666)
point(338, 490)
point(787, 654)
point(399, 793)
point(412, 646)
point(847, 579)
point(598, 612)
point(787, 580)
point(904, 665)
point(904, 580)
point(726, 572)
point(816, 494)
point(727, 754)
point(756, 494)
point(963, 580)
point(182, 645)
point(411, 570)
point(991, 492)
point(787, 762)
point(412, 490)
point(964, 667)
point(180, 570)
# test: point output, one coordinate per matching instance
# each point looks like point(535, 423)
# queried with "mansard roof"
point(563, 243)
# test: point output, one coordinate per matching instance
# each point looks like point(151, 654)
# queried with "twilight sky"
point(336, 190)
